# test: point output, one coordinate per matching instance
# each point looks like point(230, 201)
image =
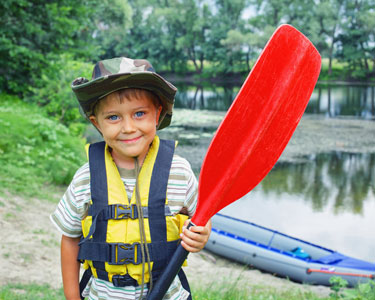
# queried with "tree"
point(113, 19)
point(228, 18)
point(329, 14)
point(355, 45)
point(32, 30)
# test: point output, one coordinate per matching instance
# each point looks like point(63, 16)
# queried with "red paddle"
point(254, 132)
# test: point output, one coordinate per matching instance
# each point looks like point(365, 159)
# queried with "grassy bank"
point(37, 154)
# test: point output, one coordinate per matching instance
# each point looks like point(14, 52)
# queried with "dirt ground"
point(29, 250)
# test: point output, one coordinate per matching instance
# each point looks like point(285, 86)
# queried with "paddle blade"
point(260, 121)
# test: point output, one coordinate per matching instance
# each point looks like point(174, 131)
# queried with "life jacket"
point(110, 245)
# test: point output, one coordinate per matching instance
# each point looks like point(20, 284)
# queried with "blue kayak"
point(281, 254)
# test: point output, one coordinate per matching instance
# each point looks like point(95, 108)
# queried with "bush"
point(34, 150)
point(55, 94)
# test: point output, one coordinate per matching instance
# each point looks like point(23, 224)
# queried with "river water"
point(325, 198)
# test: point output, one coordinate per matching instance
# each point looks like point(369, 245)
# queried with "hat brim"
point(90, 92)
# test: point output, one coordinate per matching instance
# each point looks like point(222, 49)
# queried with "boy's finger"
point(191, 245)
point(189, 248)
point(193, 236)
point(197, 229)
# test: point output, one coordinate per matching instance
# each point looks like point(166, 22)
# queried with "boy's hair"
point(129, 94)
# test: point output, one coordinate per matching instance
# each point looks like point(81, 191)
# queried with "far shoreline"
point(237, 79)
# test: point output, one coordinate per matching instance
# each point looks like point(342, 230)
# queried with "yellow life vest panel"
point(110, 244)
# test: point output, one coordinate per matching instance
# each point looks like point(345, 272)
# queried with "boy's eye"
point(139, 114)
point(113, 118)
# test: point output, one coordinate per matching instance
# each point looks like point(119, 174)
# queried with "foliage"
point(112, 20)
point(337, 285)
point(35, 151)
point(31, 31)
point(227, 36)
point(55, 94)
point(365, 291)
point(30, 292)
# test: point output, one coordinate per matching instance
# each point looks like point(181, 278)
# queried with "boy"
point(122, 214)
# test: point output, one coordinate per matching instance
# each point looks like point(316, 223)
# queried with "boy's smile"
point(127, 126)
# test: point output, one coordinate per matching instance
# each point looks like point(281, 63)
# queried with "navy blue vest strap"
point(122, 211)
point(115, 212)
point(99, 191)
point(120, 253)
point(158, 194)
point(84, 281)
point(184, 282)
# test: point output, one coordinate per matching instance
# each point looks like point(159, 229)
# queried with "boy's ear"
point(94, 122)
point(158, 114)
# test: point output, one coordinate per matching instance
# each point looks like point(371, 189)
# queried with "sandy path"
point(29, 249)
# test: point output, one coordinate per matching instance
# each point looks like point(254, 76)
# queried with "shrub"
point(55, 94)
point(35, 150)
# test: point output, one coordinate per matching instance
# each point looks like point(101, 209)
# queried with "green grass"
point(37, 154)
point(30, 292)
point(239, 290)
point(222, 290)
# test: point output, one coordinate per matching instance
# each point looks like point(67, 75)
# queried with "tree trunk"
point(191, 55)
point(248, 61)
point(329, 102)
point(330, 55)
point(373, 101)
point(201, 59)
point(319, 99)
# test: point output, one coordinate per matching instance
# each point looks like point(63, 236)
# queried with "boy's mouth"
point(130, 141)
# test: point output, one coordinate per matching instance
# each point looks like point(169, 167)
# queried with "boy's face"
point(128, 127)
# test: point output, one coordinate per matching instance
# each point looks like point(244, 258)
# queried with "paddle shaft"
point(169, 273)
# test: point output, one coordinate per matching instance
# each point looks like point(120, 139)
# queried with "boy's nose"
point(127, 125)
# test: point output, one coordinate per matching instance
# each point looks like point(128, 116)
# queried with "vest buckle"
point(121, 211)
point(124, 254)
point(123, 281)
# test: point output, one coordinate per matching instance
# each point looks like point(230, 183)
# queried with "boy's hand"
point(195, 238)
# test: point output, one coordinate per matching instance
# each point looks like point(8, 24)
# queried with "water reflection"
point(335, 101)
point(328, 200)
point(331, 101)
point(210, 97)
point(346, 178)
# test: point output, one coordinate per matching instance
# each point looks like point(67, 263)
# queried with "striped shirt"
point(72, 208)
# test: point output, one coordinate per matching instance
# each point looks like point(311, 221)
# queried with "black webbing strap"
point(99, 192)
point(115, 212)
point(184, 282)
point(84, 281)
point(158, 194)
point(122, 211)
point(122, 254)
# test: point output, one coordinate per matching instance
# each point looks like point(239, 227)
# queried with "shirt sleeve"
point(191, 191)
point(73, 205)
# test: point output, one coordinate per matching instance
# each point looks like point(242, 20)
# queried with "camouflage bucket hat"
point(120, 73)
